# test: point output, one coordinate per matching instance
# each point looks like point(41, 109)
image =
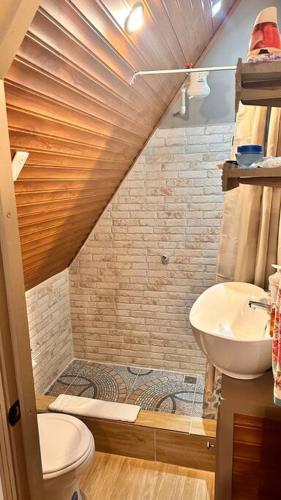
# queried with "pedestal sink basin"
point(234, 337)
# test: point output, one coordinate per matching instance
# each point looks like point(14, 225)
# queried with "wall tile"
point(48, 310)
point(126, 306)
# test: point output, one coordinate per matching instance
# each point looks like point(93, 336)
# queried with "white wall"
point(48, 310)
point(127, 307)
point(230, 43)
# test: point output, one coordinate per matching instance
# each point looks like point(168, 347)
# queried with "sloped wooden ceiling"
point(70, 105)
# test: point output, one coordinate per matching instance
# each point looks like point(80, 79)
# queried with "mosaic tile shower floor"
point(150, 389)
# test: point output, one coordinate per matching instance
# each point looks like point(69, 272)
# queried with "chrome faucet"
point(260, 304)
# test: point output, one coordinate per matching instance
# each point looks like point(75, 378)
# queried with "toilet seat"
point(65, 443)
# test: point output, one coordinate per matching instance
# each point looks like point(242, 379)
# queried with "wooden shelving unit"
point(258, 84)
point(232, 176)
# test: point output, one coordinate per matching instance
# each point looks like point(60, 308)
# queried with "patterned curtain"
point(275, 331)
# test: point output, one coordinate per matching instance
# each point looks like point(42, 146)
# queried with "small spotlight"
point(135, 19)
point(216, 7)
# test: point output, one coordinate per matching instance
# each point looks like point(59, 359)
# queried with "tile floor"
point(151, 389)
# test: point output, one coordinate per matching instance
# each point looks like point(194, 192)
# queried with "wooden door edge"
point(15, 352)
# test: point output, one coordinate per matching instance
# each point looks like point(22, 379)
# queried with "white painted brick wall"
point(48, 310)
point(126, 306)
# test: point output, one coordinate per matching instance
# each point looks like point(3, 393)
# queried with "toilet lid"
point(64, 440)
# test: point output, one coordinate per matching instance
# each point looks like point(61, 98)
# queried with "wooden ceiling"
point(70, 105)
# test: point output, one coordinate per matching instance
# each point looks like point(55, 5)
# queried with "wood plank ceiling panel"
point(70, 105)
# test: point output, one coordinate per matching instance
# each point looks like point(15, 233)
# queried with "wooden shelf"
point(258, 84)
point(232, 176)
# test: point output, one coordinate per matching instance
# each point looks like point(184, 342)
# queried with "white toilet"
point(67, 447)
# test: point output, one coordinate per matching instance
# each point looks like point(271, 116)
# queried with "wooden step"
point(157, 436)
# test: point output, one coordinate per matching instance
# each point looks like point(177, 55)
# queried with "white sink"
point(234, 337)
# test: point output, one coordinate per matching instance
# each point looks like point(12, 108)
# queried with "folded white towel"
point(86, 407)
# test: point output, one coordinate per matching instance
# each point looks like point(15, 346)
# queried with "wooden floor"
point(114, 477)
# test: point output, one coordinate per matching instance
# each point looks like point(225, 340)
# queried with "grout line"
point(62, 372)
point(58, 376)
point(86, 362)
point(77, 374)
point(132, 388)
point(128, 365)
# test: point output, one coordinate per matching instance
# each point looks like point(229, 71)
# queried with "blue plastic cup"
point(248, 154)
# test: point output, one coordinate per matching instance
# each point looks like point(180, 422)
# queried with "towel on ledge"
point(86, 407)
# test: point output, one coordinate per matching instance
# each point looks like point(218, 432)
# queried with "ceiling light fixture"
point(135, 19)
point(216, 7)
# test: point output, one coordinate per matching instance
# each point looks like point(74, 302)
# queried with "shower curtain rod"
point(178, 71)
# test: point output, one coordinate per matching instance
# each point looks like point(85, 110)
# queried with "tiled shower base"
point(155, 390)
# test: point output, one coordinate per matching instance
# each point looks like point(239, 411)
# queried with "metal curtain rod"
point(177, 71)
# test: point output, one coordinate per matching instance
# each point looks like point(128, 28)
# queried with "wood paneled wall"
point(256, 458)
point(70, 105)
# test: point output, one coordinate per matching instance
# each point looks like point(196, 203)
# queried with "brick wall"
point(127, 307)
point(49, 321)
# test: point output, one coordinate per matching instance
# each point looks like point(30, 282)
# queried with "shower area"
point(151, 254)
point(113, 324)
